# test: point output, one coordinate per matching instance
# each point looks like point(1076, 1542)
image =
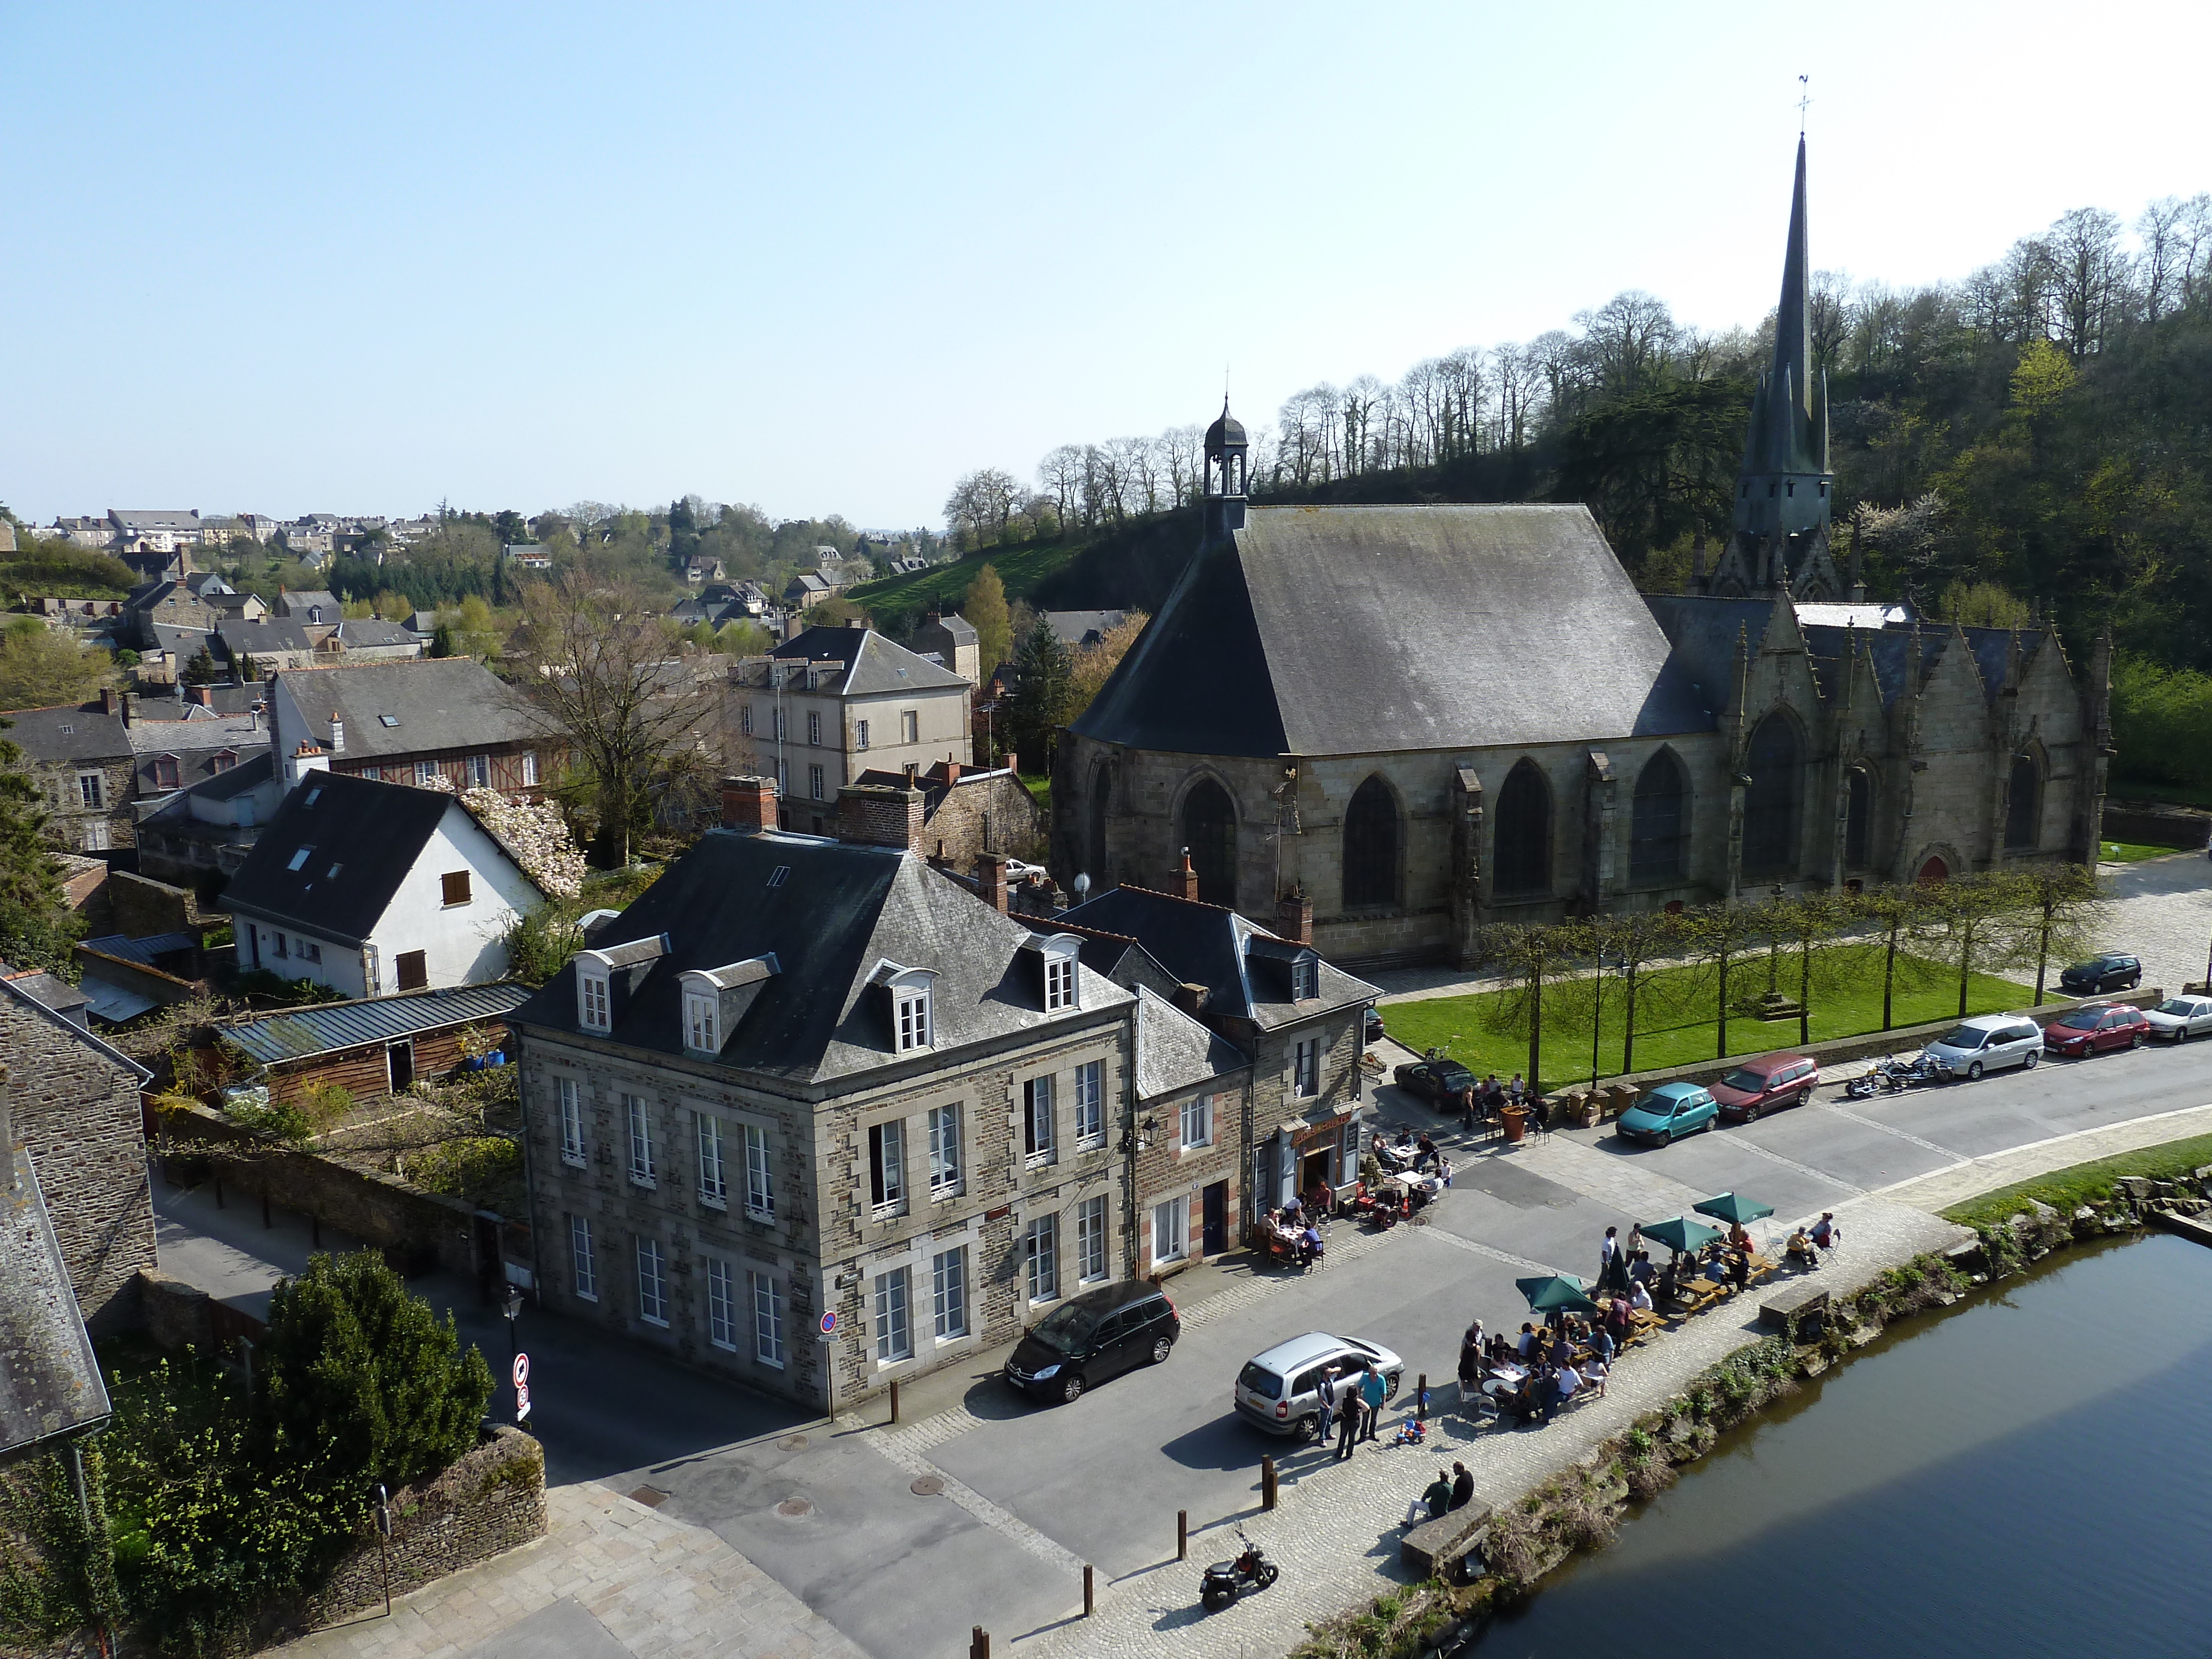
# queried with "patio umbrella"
point(1555, 1293)
point(1680, 1233)
point(1733, 1209)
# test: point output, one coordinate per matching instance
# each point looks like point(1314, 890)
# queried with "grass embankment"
point(942, 587)
point(2067, 1190)
point(1676, 1010)
point(2134, 852)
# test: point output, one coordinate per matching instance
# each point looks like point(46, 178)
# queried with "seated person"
point(1427, 1149)
point(1800, 1248)
point(1404, 1137)
point(1595, 1370)
point(1311, 1243)
point(1603, 1346)
point(1463, 1486)
point(1670, 1279)
point(1825, 1233)
point(1526, 1345)
point(1437, 1497)
point(1516, 1090)
point(1569, 1382)
point(1563, 1346)
point(1738, 1238)
point(1640, 1268)
point(1639, 1299)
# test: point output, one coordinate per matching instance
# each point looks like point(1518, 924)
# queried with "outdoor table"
point(1701, 1287)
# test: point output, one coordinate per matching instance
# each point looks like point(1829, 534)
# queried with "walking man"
point(1325, 1417)
point(1608, 1259)
point(1371, 1393)
point(1347, 1417)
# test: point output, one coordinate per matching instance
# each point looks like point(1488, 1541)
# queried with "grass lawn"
point(2134, 852)
point(944, 586)
point(2067, 1190)
point(1039, 784)
point(1675, 1009)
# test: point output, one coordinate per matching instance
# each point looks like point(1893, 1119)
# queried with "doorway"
point(401, 1058)
point(1213, 1223)
point(1313, 1169)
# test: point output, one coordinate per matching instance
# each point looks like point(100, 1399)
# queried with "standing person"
point(1347, 1420)
point(1467, 1108)
point(1325, 1407)
point(1372, 1392)
point(1608, 1259)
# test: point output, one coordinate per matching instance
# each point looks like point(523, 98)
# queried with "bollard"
point(218, 1192)
point(979, 1644)
point(266, 1219)
point(895, 1400)
point(1183, 1535)
point(1266, 1483)
point(1421, 1399)
point(1089, 1600)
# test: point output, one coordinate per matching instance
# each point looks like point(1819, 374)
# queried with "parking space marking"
point(1792, 1164)
point(904, 1456)
point(1951, 1152)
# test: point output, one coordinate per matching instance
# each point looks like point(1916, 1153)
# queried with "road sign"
point(522, 1371)
point(522, 1402)
point(830, 1323)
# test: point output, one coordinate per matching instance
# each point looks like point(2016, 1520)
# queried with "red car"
point(2096, 1028)
point(1765, 1085)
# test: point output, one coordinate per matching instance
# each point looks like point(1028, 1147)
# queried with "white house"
point(372, 888)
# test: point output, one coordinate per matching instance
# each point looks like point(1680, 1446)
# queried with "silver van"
point(1988, 1042)
point(1279, 1390)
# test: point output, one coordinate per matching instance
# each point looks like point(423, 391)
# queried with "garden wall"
point(2149, 824)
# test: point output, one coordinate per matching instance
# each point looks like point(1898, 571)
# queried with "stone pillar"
point(1599, 788)
point(1464, 877)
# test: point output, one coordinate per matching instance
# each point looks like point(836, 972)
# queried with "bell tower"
point(1224, 477)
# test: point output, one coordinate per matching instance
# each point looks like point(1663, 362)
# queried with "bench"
point(1794, 1304)
point(1434, 1547)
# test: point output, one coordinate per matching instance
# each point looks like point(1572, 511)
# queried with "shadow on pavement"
point(1227, 1442)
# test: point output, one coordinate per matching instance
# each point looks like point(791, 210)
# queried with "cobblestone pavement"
point(610, 1580)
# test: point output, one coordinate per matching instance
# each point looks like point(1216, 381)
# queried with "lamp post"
point(512, 1307)
point(1597, 1015)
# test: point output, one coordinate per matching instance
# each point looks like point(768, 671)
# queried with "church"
point(1378, 728)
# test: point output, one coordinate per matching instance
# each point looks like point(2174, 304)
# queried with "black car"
point(1440, 1080)
point(2101, 975)
point(1093, 1336)
point(1372, 1029)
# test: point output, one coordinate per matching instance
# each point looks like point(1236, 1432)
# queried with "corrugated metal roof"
point(299, 1033)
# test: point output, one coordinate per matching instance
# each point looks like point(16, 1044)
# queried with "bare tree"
point(2088, 278)
point(1181, 451)
point(1061, 474)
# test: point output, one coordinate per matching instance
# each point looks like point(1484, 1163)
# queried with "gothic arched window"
point(1858, 818)
point(1659, 821)
point(1209, 829)
point(1524, 859)
point(1770, 804)
point(2024, 806)
point(1370, 847)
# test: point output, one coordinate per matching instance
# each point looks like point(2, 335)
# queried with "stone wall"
point(989, 814)
point(2149, 824)
point(140, 908)
point(173, 1314)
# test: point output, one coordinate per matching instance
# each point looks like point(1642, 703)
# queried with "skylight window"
point(314, 795)
point(331, 874)
point(300, 858)
point(387, 720)
point(780, 874)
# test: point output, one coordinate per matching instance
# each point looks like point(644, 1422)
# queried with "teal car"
point(1667, 1113)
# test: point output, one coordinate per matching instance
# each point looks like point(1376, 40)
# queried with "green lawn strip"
point(2134, 852)
point(1039, 785)
point(944, 585)
point(2067, 1190)
point(1675, 1019)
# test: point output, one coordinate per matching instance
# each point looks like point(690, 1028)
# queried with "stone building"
point(966, 811)
point(1418, 719)
point(80, 759)
point(408, 722)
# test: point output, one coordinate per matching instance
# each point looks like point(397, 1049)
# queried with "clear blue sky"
point(356, 259)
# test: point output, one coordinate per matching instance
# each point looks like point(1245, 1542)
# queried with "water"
point(2028, 1473)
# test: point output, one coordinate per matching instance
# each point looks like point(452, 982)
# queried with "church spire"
point(1789, 382)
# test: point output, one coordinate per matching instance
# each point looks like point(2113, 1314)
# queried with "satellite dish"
point(1082, 886)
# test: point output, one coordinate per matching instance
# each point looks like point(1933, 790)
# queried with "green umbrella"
point(1553, 1292)
point(1734, 1210)
point(1680, 1233)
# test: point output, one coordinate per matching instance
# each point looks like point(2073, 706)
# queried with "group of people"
point(1537, 1371)
point(1485, 1101)
point(1297, 1228)
point(1808, 1245)
point(1351, 1401)
point(1447, 1492)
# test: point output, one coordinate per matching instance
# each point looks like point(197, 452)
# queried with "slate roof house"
point(80, 757)
point(1549, 739)
point(407, 721)
point(370, 888)
point(800, 1077)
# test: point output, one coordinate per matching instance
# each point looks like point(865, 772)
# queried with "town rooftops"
point(134, 521)
point(1174, 1051)
point(873, 665)
point(50, 1383)
point(325, 1028)
point(83, 731)
point(411, 708)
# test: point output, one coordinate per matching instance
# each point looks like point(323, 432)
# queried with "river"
point(2027, 1473)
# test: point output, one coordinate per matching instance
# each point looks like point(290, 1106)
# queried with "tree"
point(201, 669)
point(442, 639)
point(1527, 956)
point(36, 927)
point(985, 608)
point(1972, 910)
point(42, 669)
point(358, 1378)
point(1630, 940)
point(2059, 906)
point(1095, 665)
point(1718, 935)
point(1046, 699)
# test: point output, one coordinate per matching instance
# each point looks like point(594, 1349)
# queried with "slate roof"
point(1205, 945)
point(872, 662)
point(159, 518)
point(85, 732)
point(369, 833)
point(295, 606)
point(325, 1028)
point(1079, 627)
point(186, 643)
point(221, 700)
point(243, 732)
point(1368, 629)
point(839, 913)
point(1174, 1051)
point(50, 1383)
point(448, 703)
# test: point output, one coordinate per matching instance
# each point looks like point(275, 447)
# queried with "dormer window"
point(1305, 979)
point(593, 1004)
point(911, 1018)
point(702, 1024)
point(909, 994)
point(1056, 956)
point(1058, 983)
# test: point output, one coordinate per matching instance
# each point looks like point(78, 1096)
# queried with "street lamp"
point(512, 1307)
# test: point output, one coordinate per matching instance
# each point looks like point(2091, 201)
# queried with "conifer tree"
point(1046, 699)
point(36, 929)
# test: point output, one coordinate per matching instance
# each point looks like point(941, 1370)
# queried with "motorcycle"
point(1225, 1581)
point(1894, 1076)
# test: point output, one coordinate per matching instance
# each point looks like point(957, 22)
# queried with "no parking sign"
point(521, 1386)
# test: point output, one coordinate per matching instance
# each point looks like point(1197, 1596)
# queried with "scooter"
point(1225, 1581)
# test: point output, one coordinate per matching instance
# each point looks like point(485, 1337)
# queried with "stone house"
point(72, 1101)
point(810, 1114)
point(966, 811)
point(951, 640)
point(1194, 1098)
point(80, 757)
point(830, 703)
point(409, 722)
point(174, 754)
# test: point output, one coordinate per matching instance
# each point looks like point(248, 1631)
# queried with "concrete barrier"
point(1432, 1548)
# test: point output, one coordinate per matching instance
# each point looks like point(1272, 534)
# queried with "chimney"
point(1185, 884)
point(337, 735)
point(991, 879)
point(749, 804)
point(1294, 916)
point(879, 815)
point(1191, 999)
point(110, 704)
point(913, 771)
point(951, 773)
point(203, 696)
point(305, 759)
point(129, 709)
point(1011, 760)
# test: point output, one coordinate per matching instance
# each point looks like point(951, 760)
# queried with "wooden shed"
point(373, 1047)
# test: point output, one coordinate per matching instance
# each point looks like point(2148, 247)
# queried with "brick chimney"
point(1294, 916)
point(1185, 884)
point(109, 700)
point(1191, 999)
point(991, 879)
point(749, 804)
point(951, 773)
point(1011, 760)
point(879, 815)
point(202, 695)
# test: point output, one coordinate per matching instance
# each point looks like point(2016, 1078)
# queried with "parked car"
point(2180, 1019)
point(1373, 1030)
point(1667, 1113)
point(1439, 1080)
point(2100, 975)
point(1279, 1390)
point(1765, 1085)
point(1987, 1042)
point(1090, 1337)
point(2096, 1028)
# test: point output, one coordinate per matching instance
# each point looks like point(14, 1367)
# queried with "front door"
point(1214, 1208)
point(402, 1056)
point(1315, 1170)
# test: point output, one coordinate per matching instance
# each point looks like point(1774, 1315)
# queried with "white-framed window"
point(98, 834)
point(1197, 1120)
point(530, 769)
point(887, 1167)
point(1041, 1244)
point(309, 950)
point(1171, 1229)
point(911, 1006)
point(721, 1304)
point(760, 1187)
point(572, 1122)
point(1305, 979)
point(944, 1178)
point(479, 767)
point(860, 734)
point(424, 772)
point(745, 719)
point(1059, 983)
point(92, 789)
point(593, 1004)
point(713, 1189)
point(1091, 1104)
point(639, 1117)
point(1090, 1239)
point(583, 1266)
point(768, 1319)
point(1306, 1068)
point(814, 730)
point(702, 1016)
point(894, 1325)
point(1037, 1119)
point(909, 726)
point(815, 789)
point(948, 1285)
point(652, 1283)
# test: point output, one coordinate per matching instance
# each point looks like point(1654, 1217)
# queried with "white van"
point(1987, 1042)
